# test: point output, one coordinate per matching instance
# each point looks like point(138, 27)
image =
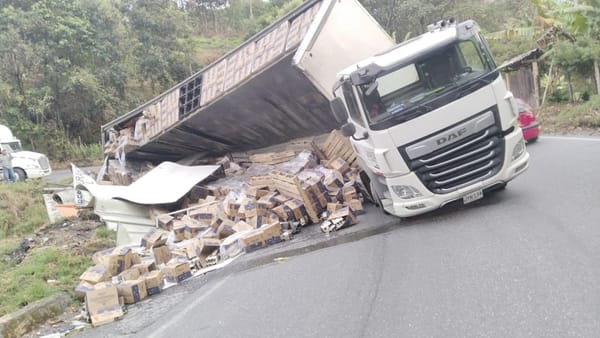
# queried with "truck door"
point(363, 145)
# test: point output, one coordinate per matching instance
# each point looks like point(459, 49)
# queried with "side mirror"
point(339, 109)
point(348, 130)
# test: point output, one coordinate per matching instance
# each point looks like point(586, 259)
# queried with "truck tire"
point(20, 174)
point(377, 199)
point(366, 187)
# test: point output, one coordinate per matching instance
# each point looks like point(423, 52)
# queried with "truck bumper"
point(429, 201)
point(38, 172)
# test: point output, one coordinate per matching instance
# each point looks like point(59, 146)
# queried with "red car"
point(527, 121)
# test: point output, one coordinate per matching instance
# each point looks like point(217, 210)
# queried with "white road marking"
point(160, 332)
point(572, 138)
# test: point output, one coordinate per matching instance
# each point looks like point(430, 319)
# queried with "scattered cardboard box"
point(248, 209)
point(154, 237)
point(298, 209)
point(162, 254)
point(333, 207)
point(284, 212)
point(165, 221)
point(130, 274)
point(177, 272)
point(208, 246)
point(242, 226)
point(115, 260)
point(339, 165)
point(103, 305)
point(144, 267)
point(82, 288)
point(356, 206)
point(191, 247)
point(226, 229)
point(252, 240)
point(132, 291)
point(155, 281)
point(202, 216)
point(179, 230)
point(95, 274)
point(271, 233)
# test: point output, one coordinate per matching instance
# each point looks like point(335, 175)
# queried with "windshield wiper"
point(409, 113)
point(472, 86)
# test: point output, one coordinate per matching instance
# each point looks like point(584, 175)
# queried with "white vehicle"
point(431, 120)
point(26, 164)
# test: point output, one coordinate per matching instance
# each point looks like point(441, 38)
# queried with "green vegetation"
point(583, 115)
point(22, 209)
point(67, 67)
point(103, 238)
point(44, 272)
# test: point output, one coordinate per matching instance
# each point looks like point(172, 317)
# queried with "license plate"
point(472, 197)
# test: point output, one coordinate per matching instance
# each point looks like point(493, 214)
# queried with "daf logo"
point(452, 136)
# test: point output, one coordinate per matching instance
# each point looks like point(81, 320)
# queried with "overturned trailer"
point(273, 88)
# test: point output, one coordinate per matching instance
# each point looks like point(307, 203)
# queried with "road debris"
point(260, 201)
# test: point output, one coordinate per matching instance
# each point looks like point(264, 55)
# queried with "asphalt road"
point(521, 262)
point(62, 176)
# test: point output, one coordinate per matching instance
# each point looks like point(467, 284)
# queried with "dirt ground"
point(72, 234)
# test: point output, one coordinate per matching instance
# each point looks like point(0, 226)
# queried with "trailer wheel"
point(20, 174)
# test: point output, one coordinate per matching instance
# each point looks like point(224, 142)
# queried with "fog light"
point(406, 192)
point(415, 206)
point(518, 150)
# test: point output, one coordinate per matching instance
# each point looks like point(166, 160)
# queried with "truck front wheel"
point(20, 174)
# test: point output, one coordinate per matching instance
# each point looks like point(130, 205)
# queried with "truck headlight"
point(406, 192)
point(518, 150)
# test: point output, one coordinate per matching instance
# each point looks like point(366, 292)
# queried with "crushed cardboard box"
point(103, 305)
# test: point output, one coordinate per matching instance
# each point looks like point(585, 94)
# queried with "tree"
point(161, 54)
point(582, 17)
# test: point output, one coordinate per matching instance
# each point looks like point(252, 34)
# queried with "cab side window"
point(352, 104)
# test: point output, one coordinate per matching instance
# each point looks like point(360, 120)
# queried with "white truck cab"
point(26, 164)
point(431, 120)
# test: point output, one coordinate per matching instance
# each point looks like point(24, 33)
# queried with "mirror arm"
point(364, 137)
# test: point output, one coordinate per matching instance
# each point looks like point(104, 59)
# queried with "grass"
point(44, 272)
point(581, 110)
point(102, 239)
point(41, 271)
point(569, 118)
point(22, 209)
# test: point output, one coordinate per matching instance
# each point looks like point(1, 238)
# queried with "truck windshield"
point(410, 90)
point(12, 146)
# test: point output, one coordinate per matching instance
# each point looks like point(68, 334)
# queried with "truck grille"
point(478, 156)
point(44, 163)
